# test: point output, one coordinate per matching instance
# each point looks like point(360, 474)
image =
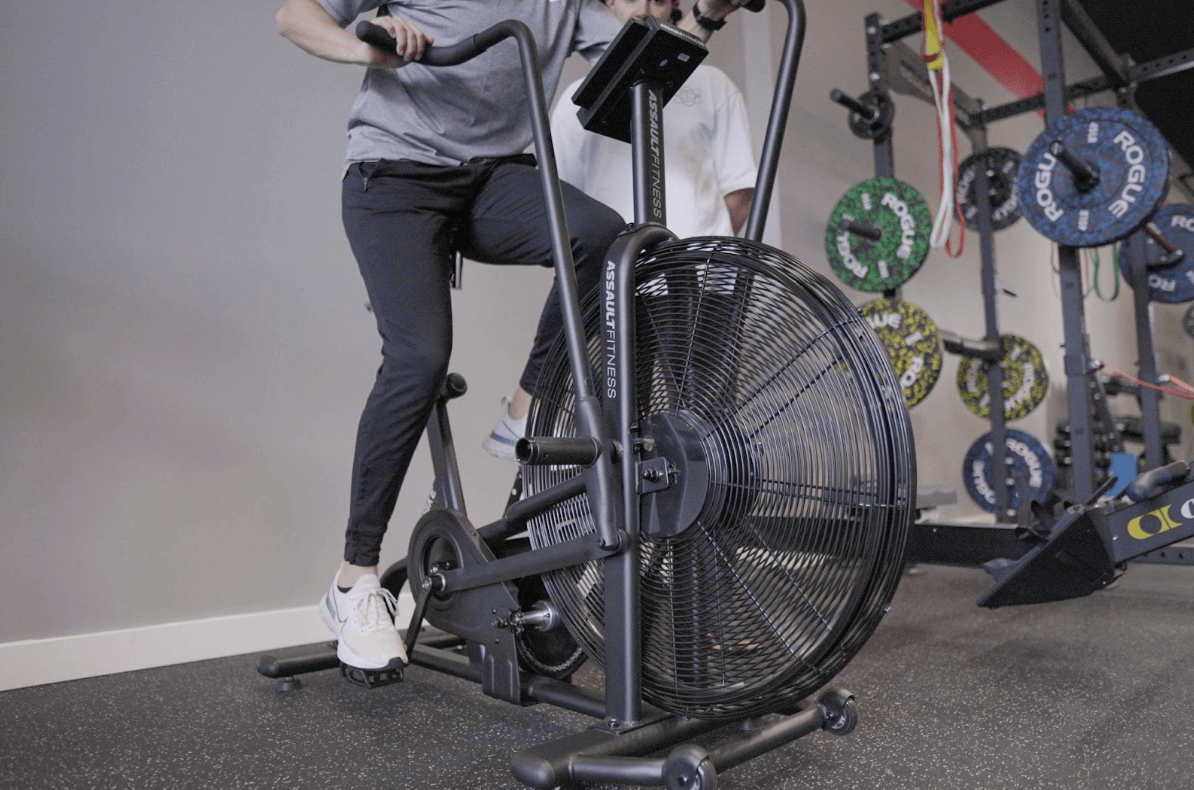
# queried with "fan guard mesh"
point(798, 545)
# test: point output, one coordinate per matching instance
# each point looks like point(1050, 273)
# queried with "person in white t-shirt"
point(708, 167)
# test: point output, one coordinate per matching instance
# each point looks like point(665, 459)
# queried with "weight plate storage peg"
point(1168, 254)
point(1002, 165)
point(1093, 177)
point(912, 341)
point(878, 234)
point(1030, 465)
point(1025, 380)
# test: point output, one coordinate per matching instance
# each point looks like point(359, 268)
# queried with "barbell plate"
point(912, 342)
point(900, 213)
point(1172, 283)
point(1030, 463)
point(1002, 165)
point(1131, 159)
point(1025, 380)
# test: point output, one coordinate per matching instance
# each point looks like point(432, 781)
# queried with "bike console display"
point(643, 50)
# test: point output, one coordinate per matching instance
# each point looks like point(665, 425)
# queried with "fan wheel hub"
point(673, 505)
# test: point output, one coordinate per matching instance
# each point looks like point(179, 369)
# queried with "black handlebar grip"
point(754, 5)
point(450, 55)
point(454, 386)
point(1151, 482)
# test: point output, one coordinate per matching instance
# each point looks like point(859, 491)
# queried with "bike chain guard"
point(443, 541)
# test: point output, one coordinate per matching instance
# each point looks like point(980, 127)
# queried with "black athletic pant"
point(404, 221)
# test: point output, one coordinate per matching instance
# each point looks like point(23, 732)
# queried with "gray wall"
point(182, 329)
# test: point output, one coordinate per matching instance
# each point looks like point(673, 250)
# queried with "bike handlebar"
point(465, 49)
point(449, 55)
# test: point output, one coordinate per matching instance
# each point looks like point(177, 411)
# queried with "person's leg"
point(509, 226)
point(405, 259)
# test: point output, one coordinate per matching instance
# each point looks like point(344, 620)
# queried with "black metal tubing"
point(1078, 90)
point(883, 149)
point(646, 143)
point(449, 492)
point(318, 658)
point(1146, 358)
point(619, 769)
point(612, 755)
point(962, 544)
point(990, 289)
point(558, 451)
point(623, 618)
point(529, 563)
point(1153, 69)
point(446, 661)
point(778, 120)
point(950, 10)
point(565, 695)
point(1077, 358)
point(608, 754)
point(1108, 60)
point(1162, 67)
point(804, 722)
point(517, 514)
point(314, 659)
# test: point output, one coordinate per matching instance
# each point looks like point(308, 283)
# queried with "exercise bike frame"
point(472, 597)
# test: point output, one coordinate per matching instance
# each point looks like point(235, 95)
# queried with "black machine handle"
point(465, 49)
point(449, 55)
point(1153, 481)
point(778, 120)
point(588, 417)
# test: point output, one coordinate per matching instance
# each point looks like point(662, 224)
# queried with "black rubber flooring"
point(1096, 692)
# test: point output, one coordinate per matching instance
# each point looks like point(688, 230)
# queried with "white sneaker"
point(502, 439)
point(363, 621)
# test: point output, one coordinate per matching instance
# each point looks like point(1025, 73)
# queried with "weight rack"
point(894, 66)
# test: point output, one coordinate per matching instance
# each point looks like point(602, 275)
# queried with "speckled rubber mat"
point(1095, 692)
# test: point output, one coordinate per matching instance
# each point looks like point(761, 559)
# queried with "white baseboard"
point(34, 662)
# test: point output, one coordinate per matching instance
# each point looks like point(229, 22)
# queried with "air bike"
point(718, 478)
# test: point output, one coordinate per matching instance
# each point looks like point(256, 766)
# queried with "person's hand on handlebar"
point(309, 26)
point(411, 41)
point(707, 16)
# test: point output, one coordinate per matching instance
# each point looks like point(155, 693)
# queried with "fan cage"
point(798, 545)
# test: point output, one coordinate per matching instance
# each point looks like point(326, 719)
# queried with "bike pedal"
point(371, 678)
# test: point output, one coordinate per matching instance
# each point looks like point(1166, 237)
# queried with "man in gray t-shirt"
point(435, 165)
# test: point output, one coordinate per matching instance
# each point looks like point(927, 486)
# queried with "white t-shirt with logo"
point(707, 155)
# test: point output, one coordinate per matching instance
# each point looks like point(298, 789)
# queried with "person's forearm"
point(738, 204)
point(310, 27)
point(711, 9)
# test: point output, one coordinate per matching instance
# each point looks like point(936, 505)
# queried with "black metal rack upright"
point(892, 65)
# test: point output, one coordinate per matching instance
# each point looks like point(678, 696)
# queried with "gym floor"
point(1095, 692)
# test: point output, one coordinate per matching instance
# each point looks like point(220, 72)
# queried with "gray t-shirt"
point(448, 115)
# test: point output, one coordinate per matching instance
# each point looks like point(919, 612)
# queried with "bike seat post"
point(449, 491)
